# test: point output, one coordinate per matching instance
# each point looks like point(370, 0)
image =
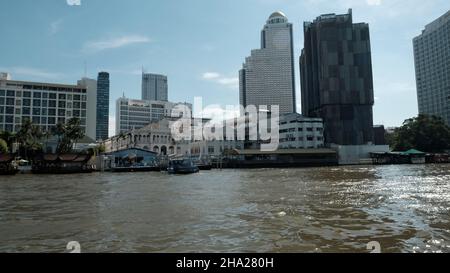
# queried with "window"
point(52, 121)
point(36, 111)
point(61, 113)
point(36, 103)
point(2, 93)
point(61, 104)
point(9, 119)
point(2, 101)
point(9, 110)
point(10, 101)
point(52, 103)
point(10, 93)
point(52, 112)
point(62, 96)
point(37, 95)
point(36, 120)
point(52, 96)
point(26, 111)
point(27, 94)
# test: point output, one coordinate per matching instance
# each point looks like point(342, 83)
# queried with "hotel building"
point(267, 76)
point(432, 62)
point(45, 104)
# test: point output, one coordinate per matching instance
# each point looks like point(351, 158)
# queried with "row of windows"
point(300, 130)
point(309, 138)
point(43, 111)
point(38, 95)
point(35, 119)
point(43, 103)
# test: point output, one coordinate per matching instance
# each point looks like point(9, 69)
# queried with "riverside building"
point(432, 63)
point(336, 78)
point(299, 132)
point(134, 114)
point(45, 104)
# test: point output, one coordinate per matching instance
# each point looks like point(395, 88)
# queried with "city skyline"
point(217, 44)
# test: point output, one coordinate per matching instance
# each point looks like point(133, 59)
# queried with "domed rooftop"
point(277, 14)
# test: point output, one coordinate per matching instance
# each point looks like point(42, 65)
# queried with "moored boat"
point(182, 166)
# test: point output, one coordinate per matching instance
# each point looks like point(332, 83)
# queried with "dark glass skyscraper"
point(336, 78)
point(102, 105)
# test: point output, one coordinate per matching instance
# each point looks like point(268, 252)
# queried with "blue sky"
point(199, 44)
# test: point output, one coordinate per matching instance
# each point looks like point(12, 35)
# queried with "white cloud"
point(210, 75)
point(31, 72)
point(374, 2)
point(55, 26)
point(73, 2)
point(115, 42)
point(231, 82)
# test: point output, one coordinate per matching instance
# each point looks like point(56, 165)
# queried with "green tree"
point(8, 137)
point(29, 138)
point(3, 147)
point(68, 135)
point(424, 133)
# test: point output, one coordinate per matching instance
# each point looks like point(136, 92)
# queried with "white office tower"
point(91, 107)
point(267, 76)
point(154, 87)
point(136, 114)
point(432, 61)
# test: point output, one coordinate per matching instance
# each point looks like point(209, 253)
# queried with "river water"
point(341, 209)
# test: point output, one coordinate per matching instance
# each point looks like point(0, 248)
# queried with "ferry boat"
point(182, 166)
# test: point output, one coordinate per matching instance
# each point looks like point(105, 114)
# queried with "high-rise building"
point(136, 114)
point(267, 76)
point(432, 62)
point(154, 87)
point(44, 104)
point(102, 106)
point(91, 108)
point(336, 78)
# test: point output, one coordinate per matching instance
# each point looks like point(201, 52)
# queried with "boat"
point(8, 165)
point(24, 166)
point(182, 166)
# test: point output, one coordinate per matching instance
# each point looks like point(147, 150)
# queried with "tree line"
point(32, 139)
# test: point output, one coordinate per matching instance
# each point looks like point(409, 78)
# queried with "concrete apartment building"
point(432, 64)
point(45, 104)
